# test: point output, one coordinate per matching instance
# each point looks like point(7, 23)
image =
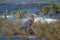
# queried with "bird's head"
point(31, 16)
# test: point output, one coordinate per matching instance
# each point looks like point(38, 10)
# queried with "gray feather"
point(27, 24)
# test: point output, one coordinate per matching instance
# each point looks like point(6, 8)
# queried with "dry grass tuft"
point(49, 31)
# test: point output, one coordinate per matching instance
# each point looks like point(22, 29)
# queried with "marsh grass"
point(49, 31)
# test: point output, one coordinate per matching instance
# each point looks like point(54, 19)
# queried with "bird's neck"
point(32, 19)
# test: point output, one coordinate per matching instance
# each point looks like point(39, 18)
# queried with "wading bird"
point(28, 23)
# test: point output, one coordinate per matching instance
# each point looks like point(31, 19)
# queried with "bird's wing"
point(26, 24)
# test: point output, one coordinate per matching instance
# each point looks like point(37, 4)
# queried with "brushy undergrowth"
point(49, 31)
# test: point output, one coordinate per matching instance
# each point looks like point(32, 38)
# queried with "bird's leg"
point(25, 30)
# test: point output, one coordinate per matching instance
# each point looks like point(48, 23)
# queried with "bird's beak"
point(35, 15)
